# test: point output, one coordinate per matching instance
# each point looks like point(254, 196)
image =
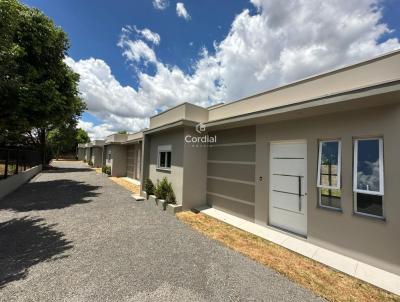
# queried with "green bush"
point(149, 186)
point(90, 163)
point(164, 191)
point(106, 170)
point(170, 196)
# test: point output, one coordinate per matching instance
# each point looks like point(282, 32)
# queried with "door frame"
point(293, 141)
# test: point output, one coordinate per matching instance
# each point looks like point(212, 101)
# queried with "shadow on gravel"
point(25, 242)
point(65, 170)
point(47, 195)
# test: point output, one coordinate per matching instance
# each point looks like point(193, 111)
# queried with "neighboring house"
point(123, 153)
point(81, 151)
point(318, 158)
point(97, 153)
point(88, 152)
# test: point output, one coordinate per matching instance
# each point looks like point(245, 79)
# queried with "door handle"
point(299, 177)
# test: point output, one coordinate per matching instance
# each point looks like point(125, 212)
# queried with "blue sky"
point(249, 47)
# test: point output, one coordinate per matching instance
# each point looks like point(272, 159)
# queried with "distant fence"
point(15, 160)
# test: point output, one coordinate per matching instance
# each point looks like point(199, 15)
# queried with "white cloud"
point(118, 106)
point(150, 36)
point(96, 132)
point(181, 11)
point(160, 4)
point(145, 33)
point(137, 50)
point(262, 50)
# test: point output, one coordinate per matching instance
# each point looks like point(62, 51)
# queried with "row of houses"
point(121, 152)
point(318, 158)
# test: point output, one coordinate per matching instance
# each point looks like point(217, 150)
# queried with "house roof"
point(348, 80)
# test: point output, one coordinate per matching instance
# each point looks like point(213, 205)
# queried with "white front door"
point(288, 186)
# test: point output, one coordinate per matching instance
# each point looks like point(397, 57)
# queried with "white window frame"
point(163, 148)
point(381, 170)
point(339, 169)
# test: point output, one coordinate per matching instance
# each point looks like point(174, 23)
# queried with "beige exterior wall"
point(231, 171)
point(175, 175)
point(97, 153)
point(81, 153)
point(194, 174)
point(134, 160)
point(185, 111)
point(370, 240)
point(88, 152)
point(116, 138)
point(118, 159)
point(135, 136)
point(373, 72)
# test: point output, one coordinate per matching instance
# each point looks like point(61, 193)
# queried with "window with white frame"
point(109, 155)
point(164, 157)
point(368, 183)
point(329, 173)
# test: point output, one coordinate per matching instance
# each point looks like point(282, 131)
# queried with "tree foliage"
point(38, 91)
point(82, 137)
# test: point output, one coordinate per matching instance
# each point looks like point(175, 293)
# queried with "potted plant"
point(148, 188)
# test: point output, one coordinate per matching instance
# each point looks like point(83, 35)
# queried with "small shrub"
point(158, 190)
point(171, 197)
point(90, 163)
point(164, 191)
point(106, 170)
point(149, 186)
point(84, 160)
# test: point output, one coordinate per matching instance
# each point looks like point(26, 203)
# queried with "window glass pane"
point(329, 165)
point(330, 198)
point(168, 159)
point(162, 159)
point(368, 165)
point(369, 204)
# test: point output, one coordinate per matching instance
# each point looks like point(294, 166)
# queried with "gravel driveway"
point(73, 235)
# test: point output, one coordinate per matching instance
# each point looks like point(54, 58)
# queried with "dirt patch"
point(135, 189)
point(322, 280)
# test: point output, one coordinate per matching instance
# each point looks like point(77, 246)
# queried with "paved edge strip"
point(371, 274)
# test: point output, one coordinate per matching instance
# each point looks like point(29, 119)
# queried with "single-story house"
point(318, 158)
point(97, 153)
point(81, 151)
point(123, 153)
point(88, 152)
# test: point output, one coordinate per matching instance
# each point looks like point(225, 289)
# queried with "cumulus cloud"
point(96, 132)
point(160, 4)
point(262, 50)
point(145, 33)
point(181, 11)
point(108, 100)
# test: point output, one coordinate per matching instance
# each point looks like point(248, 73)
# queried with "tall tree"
point(38, 91)
point(82, 137)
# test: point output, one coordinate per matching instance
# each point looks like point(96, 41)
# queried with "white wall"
point(11, 183)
